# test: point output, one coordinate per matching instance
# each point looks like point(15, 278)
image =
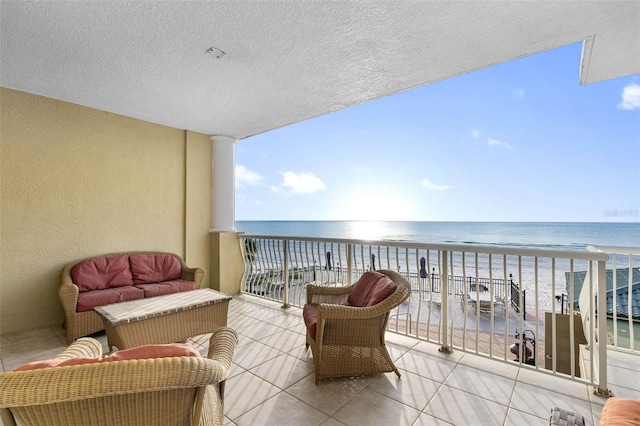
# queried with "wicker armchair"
point(78, 324)
point(183, 390)
point(349, 340)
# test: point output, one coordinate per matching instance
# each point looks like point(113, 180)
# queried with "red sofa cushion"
point(90, 299)
point(620, 411)
point(154, 268)
point(166, 287)
point(102, 272)
point(371, 289)
point(140, 352)
point(310, 315)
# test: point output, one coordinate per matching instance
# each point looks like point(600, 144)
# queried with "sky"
point(519, 141)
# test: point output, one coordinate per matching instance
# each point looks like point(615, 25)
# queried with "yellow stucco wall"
point(227, 262)
point(77, 182)
point(198, 202)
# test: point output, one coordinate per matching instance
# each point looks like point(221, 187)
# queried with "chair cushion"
point(166, 287)
point(90, 299)
point(310, 315)
point(620, 411)
point(140, 352)
point(154, 268)
point(101, 273)
point(371, 289)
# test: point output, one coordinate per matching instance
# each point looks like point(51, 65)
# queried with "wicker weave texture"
point(161, 391)
point(87, 347)
point(350, 340)
point(78, 324)
point(172, 327)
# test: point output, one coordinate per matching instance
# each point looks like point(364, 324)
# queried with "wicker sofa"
point(118, 277)
point(346, 325)
point(150, 390)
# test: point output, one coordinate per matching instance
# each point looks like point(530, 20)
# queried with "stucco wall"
point(227, 262)
point(198, 202)
point(77, 182)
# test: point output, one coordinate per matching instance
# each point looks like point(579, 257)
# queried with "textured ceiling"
point(287, 61)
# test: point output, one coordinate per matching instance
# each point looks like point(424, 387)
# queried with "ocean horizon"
point(544, 235)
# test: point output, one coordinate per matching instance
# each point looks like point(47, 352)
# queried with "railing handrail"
point(614, 249)
point(470, 248)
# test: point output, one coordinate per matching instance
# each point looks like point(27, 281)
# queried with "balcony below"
point(272, 380)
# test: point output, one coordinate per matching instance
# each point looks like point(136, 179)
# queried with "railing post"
point(433, 280)
point(285, 294)
point(349, 264)
point(444, 311)
point(602, 330)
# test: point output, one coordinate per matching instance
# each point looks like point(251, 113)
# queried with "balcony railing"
point(464, 297)
point(622, 296)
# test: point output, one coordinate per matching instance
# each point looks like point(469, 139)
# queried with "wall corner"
point(227, 264)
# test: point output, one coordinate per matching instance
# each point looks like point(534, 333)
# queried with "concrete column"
point(227, 267)
point(223, 183)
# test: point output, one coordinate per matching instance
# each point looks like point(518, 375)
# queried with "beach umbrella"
point(373, 261)
point(328, 260)
point(423, 267)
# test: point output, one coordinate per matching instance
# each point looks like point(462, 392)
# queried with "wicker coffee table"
point(164, 319)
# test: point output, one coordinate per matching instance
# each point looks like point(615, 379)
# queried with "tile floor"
point(272, 380)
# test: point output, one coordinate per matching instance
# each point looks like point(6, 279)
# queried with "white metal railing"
point(622, 298)
point(464, 297)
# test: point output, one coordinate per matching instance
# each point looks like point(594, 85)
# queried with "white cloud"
point(427, 184)
point(630, 97)
point(247, 177)
point(302, 183)
point(496, 142)
point(475, 134)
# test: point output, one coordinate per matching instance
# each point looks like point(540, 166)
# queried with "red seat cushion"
point(101, 273)
point(166, 287)
point(310, 315)
point(140, 352)
point(90, 299)
point(371, 289)
point(620, 411)
point(154, 268)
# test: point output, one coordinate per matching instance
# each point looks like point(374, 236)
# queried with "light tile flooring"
point(272, 380)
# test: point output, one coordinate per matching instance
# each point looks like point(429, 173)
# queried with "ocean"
point(544, 235)
point(553, 277)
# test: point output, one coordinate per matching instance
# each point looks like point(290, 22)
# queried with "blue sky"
point(519, 141)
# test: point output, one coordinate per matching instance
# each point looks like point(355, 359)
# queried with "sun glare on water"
point(368, 214)
point(368, 230)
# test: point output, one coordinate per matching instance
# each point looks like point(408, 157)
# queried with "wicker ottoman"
point(164, 319)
